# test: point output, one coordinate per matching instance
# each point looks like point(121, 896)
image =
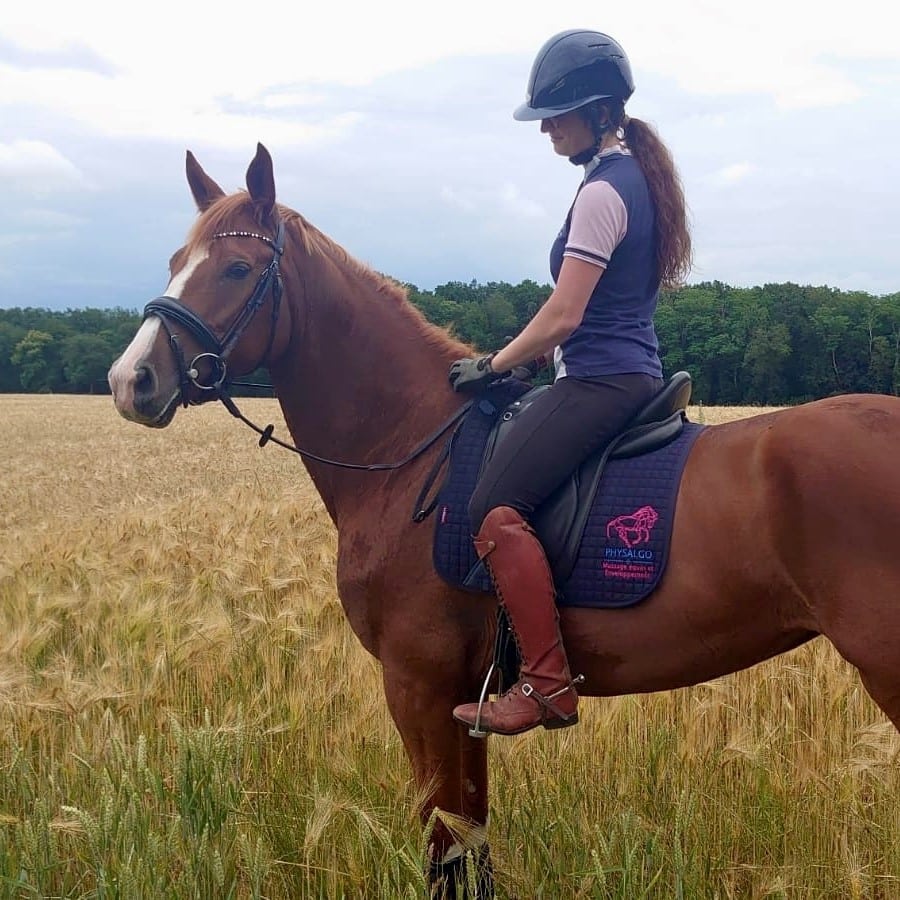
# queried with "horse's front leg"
point(450, 771)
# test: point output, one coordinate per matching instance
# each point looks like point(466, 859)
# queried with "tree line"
point(775, 344)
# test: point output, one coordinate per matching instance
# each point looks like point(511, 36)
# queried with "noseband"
point(172, 312)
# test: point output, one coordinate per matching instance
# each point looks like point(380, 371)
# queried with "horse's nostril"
point(144, 381)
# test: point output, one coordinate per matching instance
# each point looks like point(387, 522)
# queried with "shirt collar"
point(617, 150)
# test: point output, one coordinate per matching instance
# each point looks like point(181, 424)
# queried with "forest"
point(777, 344)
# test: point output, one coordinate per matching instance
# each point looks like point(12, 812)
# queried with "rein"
point(422, 509)
point(266, 435)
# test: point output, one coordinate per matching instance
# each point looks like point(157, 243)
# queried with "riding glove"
point(470, 376)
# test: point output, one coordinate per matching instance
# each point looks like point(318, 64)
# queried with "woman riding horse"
point(625, 235)
point(786, 524)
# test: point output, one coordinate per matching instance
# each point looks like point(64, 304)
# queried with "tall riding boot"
point(545, 693)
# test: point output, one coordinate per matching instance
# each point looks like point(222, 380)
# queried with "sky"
point(390, 126)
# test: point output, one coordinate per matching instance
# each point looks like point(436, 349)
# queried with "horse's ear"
point(204, 189)
point(261, 181)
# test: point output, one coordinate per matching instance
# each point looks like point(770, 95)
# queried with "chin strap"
point(583, 158)
point(599, 130)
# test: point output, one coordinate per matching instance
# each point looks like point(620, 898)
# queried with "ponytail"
point(673, 239)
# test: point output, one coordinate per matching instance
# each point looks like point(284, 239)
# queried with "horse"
point(785, 527)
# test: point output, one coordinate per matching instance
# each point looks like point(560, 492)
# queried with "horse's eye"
point(237, 271)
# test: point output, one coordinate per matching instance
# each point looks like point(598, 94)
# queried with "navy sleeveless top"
point(616, 335)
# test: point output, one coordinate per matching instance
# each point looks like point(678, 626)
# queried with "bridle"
point(172, 312)
point(217, 350)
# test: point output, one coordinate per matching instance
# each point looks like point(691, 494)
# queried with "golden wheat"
point(186, 713)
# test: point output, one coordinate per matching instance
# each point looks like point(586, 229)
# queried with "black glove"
point(471, 376)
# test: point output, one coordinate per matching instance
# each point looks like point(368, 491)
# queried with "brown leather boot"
point(545, 693)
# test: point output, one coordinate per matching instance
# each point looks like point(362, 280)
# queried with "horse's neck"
point(364, 379)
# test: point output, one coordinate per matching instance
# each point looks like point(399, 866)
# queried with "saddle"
point(561, 519)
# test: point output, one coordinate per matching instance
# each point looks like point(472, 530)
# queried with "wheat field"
point(186, 714)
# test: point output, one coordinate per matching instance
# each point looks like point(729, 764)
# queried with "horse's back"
point(783, 522)
point(836, 512)
point(801, 507)
point(792, 482)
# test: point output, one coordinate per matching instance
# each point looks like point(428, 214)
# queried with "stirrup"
point(504, 635)
point(476, 730)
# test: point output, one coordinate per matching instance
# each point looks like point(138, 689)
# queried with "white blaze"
point(180, 279)
point(124, 369)
point(122, 374)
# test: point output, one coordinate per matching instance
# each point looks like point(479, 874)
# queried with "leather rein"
point(172, 313)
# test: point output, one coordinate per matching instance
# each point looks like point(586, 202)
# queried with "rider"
point(626, 235)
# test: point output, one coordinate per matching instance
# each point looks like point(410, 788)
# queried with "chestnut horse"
point(786, 526)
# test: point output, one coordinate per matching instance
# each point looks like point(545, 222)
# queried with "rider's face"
point(569, 133)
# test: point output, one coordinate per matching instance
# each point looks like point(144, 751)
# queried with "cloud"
point(136, 106)
point(74, 55)
point(38, 167)
point(506, 199)
point(461, 200)
point(86, 63)
point(794, 53)
point(516, 203)
point(52, 220)
point(731, 174)
point(37, 226)
point(293, 99)
point(18, 237)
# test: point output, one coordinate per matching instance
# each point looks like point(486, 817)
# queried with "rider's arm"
point(556, 319)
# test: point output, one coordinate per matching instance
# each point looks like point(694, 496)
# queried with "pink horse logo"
point(634, 529)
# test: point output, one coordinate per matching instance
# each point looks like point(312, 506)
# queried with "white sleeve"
point(599, 222)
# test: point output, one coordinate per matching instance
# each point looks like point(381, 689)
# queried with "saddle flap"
point(561, 519)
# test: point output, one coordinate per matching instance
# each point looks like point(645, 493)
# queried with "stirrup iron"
point(476, 730)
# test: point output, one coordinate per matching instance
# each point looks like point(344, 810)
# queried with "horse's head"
point(221, 314)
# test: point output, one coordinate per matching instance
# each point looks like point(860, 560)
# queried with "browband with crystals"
point(253, 234)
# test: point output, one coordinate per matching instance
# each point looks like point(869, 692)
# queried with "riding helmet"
point(573, 68)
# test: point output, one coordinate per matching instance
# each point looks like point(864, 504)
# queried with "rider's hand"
point(470, 376)
point(530, 370)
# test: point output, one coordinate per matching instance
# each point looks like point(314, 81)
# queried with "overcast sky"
point(390, 125)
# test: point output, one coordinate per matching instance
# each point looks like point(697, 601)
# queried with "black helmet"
point(572, 69)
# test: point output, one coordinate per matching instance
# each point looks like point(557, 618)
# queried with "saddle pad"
point(625, 545)
point(453, 552)
point(613, 569)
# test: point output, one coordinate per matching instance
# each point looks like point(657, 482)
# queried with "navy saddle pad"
point(607, 538)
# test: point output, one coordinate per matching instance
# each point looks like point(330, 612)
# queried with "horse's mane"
point(221, 217)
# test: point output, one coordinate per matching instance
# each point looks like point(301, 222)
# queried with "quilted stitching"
point(609, 572)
